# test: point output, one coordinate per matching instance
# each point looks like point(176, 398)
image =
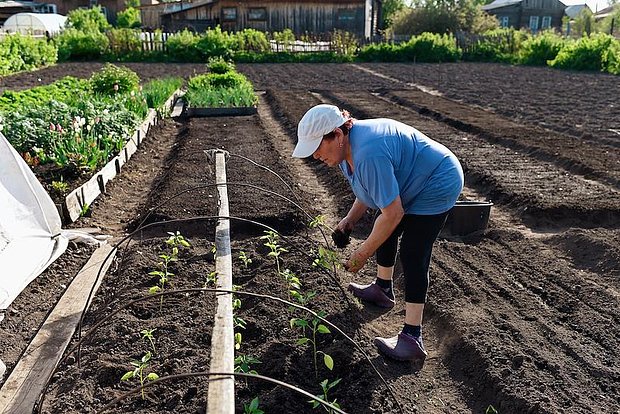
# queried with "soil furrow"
point(546, 191)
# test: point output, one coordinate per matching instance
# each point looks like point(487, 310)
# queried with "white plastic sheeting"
point(30, 226)
point(34, 23)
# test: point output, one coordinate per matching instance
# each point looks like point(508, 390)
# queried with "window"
point(504, 21)
point(257, 13)
point(346, 15)
point(533, 23)
point(546, 22)
point(229, 14)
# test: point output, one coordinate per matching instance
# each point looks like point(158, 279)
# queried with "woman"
point(413, 181)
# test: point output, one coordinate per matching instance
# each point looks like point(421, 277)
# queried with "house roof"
point(607, 11)
point(500, 3)
point(11, 4)
point(575, 9)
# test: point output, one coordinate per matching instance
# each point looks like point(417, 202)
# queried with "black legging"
point(416, 245)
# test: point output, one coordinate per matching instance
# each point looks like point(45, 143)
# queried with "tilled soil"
point(521, 316)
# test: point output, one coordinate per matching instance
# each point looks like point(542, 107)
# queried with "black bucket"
point(466, 218)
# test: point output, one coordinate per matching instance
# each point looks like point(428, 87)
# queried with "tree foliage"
point(88, 20)
point(443, 16)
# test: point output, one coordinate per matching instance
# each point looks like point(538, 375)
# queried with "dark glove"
point(341, 238)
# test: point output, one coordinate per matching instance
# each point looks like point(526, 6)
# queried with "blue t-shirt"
point(391, 159)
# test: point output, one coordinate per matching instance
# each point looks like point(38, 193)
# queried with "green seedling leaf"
point(329, 362)
point(323, 329)
point(128, 375)
point(302, 341)
point(154, 289)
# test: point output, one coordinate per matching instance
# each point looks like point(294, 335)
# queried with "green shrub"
point(18, 53)
point(611, 58)
point(124, 43)
point(220, 65)
point(344, 43)
point(252, 40)
point(499, 45)
point(539, 49)
point(74, 44)
point(88, 20)
point(432, 47)
point(182, 46)
point(128, 18)
point(380, 52)
point(587, 53)
point(215, 42)
point(112, 80)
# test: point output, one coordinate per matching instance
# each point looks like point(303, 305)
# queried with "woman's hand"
point(357, 260)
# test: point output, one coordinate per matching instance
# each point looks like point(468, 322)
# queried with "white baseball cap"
point(320, 120)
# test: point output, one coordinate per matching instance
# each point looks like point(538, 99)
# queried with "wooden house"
point(359, 17)
point(110, 7)
point(534, 15)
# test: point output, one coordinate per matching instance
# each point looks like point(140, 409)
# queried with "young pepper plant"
point(326, 386)
point(252, 408)
point(138, 372)
point(272, 238)
point(314, 327)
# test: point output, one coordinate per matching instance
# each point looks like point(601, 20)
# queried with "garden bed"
point(518, 316)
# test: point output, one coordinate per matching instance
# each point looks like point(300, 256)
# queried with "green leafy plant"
point(243, 363)
point(85, 211)
point(114, 79)
point(139, 372)
point(245, 259)
point(314, 327)
point(238, 340)
point(211, 279)
point(326, 259)
point(157, 91)
point(252, 408)
point(326, 386)
point(220, 65)
point(148, 335)
point(60, 187)
point(276, 250)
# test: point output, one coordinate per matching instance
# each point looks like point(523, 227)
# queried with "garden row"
point(67, 130)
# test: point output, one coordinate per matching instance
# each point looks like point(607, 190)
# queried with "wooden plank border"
point(84, 195)
point(212, 112)
point(221, 395)
point(23, 388)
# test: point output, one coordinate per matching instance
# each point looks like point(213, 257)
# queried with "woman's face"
point(331, 151)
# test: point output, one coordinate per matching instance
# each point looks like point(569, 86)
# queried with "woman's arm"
point(353, 216)
point(384, 226)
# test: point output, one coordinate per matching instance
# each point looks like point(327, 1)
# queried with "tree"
point(443, 16)
point(129, 18)
point(88, 20)
point(388, 9)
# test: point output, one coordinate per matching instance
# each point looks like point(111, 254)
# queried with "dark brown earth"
point(523, 317)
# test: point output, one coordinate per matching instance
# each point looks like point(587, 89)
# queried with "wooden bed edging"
point(221, 393)
point(84, 195)
point(208, 112)
point(23, 388)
